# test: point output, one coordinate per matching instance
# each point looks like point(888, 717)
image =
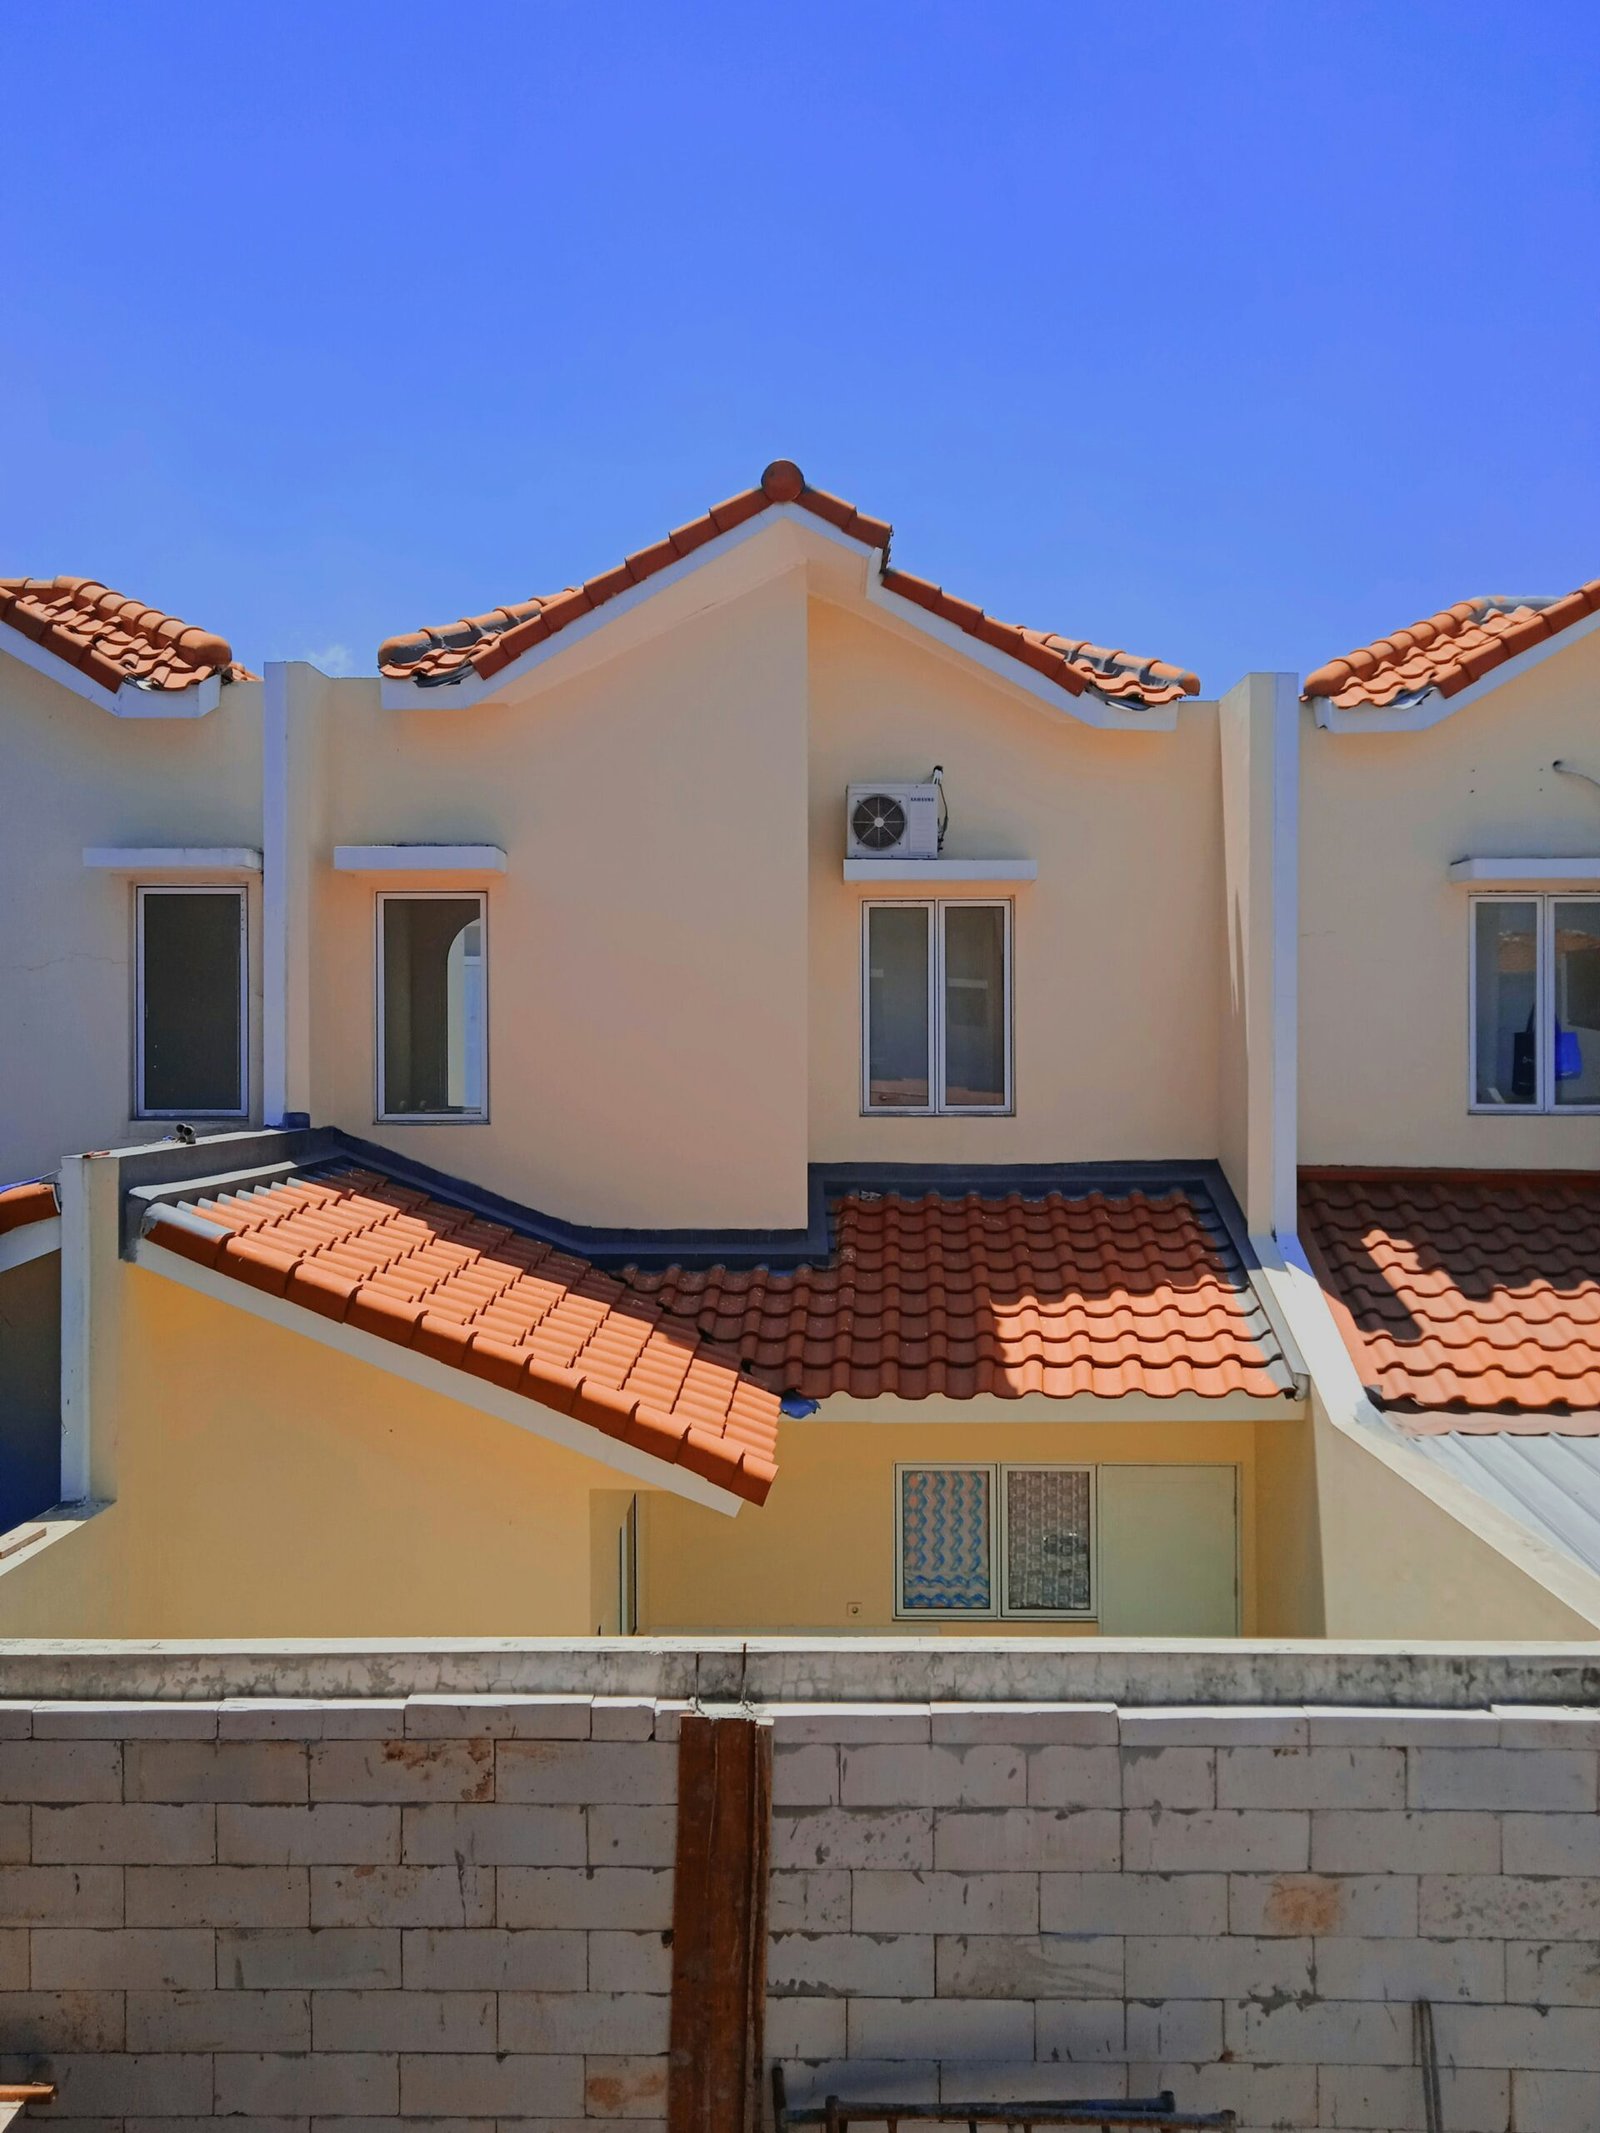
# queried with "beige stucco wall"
point(1118, 945)
point(1384, 947)
point(74, 776)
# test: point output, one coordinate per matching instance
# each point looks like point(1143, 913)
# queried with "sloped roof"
point(113, 639)
point(1445, 653)
point(1470, 1302)
point(482, 645)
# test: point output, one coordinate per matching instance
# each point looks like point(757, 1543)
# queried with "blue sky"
point(1233, 333)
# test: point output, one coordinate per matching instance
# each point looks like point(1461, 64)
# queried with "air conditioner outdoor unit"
point(892, 821)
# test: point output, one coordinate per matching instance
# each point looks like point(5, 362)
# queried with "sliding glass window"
point(936, 1007)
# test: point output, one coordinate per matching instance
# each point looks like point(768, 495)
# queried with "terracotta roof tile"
point(113, 639)
point(433, 1277)
point(484, 644)
point(1448, 651)
point(1471, 1297)
point(971, 1297)
point(22, 1204)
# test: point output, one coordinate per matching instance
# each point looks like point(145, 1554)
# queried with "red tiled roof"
point(22, 1204)
point(483, 644)
point(1448, 651)
point(376, 1255)
point(113, 639)
point(997, 1297)
point(1470, 1297)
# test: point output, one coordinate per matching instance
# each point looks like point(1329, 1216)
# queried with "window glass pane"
point(974, 1004)
point(944, 1540)
point(1506, 963)
point(189, 969)
point(1576, 1035)
point(897, 1007)
point(433, 1019)
point(1047, 1540)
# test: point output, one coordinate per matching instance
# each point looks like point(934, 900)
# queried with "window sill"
point(941, 870)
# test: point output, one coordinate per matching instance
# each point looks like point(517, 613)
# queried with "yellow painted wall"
point(77, 776)
point(1384, 947)
point(825, 1538)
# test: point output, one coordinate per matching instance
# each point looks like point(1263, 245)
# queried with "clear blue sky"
point(1233, 333)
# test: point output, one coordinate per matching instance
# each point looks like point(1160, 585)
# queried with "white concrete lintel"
point(1581, 867)
point(451, 1384)
point(1433, 709)
point(32, 1241)
point(172, 858)
point(471, 859)
point(1033, 1409)
point(941, 872)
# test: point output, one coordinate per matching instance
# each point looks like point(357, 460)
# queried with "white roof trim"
point(128, 701)
point(418, 859)
point(31, 1241)
point(173, 858)
point(450, 1383)
point(1432, 709)
point(1583, 867)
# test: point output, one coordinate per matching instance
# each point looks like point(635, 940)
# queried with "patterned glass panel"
point(1047, 1540)
point(944, 1540)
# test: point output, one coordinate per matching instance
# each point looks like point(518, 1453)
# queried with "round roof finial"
point(783, 482)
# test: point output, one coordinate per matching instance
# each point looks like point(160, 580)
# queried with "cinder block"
point(670, 1713)
point(1171, 1966)
point(351, 2084)
point(625, 1962)
point(628, 2024)
point(884, 2080)
point(890, 1901)
point(1509, 1906)
point(60, 1770)
point(51, 2022)
point(491, 2085)
point(805, 2029)
point(16, 1720)
point(917, 1774)
point(403, 2021)
point(623, 1718)
point(1563, 1973)
point(1072, 1777)
point(55, 1719)
point(939, 2029)
point(495, 1835)
point(1372, 1778)
point(489, 1959)
point(1561, 2038)
point(1029, 1966)
point(884, 1965)
point(16, 1838)
point(1389, 2099)
point(618, 2085)
point(806, 1777)
point(1258, 2096)
point(1411, 1970)
point(1219, 1840)
point(1026, 1725)
point(1508, 1780)
point(1332, 2032)
point(498, 1717)
point(405, 1770)
point(1027, 1839)
point(587, 1773)
point(1186, 2029)
point(112, 2084)
point(402, 1896)
point(1366, 1905)
point(219, 1896)
point(1215, 1726)
point(1554, 2103)
point(809, 1903)
point(311, 1718)
point(334, 1834)
point(1551, 1844)
point(631, 1836)
point(1411, 1843)
point(78, 1959)
point(13, 1960)
point(264, 1770)
point(1169, 1777)
point(1102, 2080)
point(202, 2021)
point(369, 1958)
point(109, 1834)
point(1535, 1725)
point(1081, 2030)
point(863, 1837)
point(1133, 1903)
point(61, 1895)
point(856, 1724)
point(625, 1898)
point(1390, 1726)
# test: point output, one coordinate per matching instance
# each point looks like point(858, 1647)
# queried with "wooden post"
point(719, 1926)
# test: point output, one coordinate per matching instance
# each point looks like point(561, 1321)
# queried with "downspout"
point(275, 894)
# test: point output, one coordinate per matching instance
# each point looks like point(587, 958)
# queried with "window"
point(189, 1058)
point(936, 1007)
point(1535, 990)
point(1010, 1541)
point(432, 1007)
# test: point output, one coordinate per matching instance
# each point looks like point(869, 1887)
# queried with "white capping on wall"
point(173, 858)
point(1582, 866)
point(943, 871)
point(419, 859)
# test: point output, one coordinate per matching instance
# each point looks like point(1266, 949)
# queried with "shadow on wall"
point(30, 1388)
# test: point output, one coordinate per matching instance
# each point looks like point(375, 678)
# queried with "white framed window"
point(936, 1007)
point(191, 1003)
point(1534, 990)
point(433, 1006)
point(995, 1542)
